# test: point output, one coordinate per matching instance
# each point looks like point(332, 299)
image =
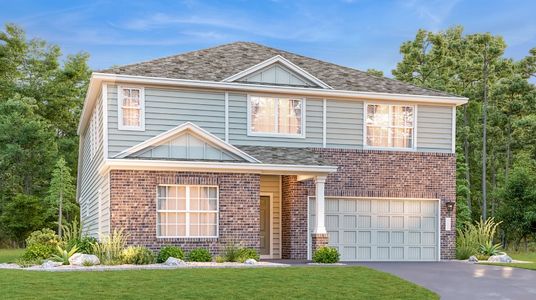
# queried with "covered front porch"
point(285, 228)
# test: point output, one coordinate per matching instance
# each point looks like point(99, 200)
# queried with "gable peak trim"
point(285, 62)
point(195, 129)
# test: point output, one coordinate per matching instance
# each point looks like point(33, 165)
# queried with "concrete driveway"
point(460, 280)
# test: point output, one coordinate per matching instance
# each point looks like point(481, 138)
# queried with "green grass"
point(261, 283)
point(525, 256)
point(10, 255)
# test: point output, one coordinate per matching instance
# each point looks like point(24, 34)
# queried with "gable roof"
point(187, 127)
point(278, 59)
point(221, 62)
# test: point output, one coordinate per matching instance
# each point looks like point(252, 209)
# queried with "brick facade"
point(133, 207)
point(362, 173)
point(318, 240)
point(372, 173)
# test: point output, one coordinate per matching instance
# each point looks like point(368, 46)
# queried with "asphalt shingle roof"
point(218, 63)
point(285, 155)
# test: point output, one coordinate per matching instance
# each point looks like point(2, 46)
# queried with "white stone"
point(503, 258)
point(473, 259)
point(172, 261)
point(250, 261)
point(48, 264)
point(78, 259)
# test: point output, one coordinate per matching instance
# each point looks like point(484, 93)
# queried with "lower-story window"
point(187, 211)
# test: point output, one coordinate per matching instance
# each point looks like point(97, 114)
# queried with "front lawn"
point(261, 283)
point(10, 255)
point(525, 256)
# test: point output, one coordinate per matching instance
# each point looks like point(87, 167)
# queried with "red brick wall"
point(133, 207)
point(293, 219)
point(372, 173)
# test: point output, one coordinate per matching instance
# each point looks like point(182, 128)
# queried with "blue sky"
point(357, 33)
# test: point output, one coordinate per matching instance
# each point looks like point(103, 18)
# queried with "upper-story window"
point(390, 126)
point(276, 116)
point(131, 108)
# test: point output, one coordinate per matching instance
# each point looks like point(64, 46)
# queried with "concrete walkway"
point(460, 280)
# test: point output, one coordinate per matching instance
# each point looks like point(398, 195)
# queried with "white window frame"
point(414, 131)
point(276, 117)
point(188, 211)
point(120, 124)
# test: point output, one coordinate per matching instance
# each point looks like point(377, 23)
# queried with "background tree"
point(41, 97)
point(61, 194)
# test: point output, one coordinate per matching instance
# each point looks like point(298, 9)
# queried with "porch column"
point(319, 238)
point(320, 228)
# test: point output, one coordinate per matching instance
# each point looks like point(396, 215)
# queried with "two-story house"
point(246, 144)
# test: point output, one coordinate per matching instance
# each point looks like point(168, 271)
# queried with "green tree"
point(61, 194)
point(22, 215)
point(375, 72)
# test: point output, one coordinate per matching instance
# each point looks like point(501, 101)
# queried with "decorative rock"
point(500, 258)
point(49, 264)
point(250, 261)
point(78, 259)
point(172, 261)
point(473, 259)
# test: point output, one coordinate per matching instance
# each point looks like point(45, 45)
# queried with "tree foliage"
point(495, 130)
point(41, 96)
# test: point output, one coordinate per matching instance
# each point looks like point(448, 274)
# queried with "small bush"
point(62, 255)
point(231, 253)
point(469, 240)
point(110, 248)
point(247, 253)
point(219, 259)
point(199, 255)
point(83, 244)
point(326, 255)
point(169, 251)
point(87, 263)
point(482, 257)
point(137, 256)
point(41, 244)
point(489, 248)
point(25, 263)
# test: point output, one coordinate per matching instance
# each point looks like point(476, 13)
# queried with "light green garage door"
point(381, 229)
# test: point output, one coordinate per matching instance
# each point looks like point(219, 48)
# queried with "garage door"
point(381, 229)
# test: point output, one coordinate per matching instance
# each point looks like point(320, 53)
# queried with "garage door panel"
point(382, 229)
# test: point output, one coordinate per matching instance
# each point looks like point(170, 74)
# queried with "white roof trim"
point(98, 78)
point(219, 167)
point(285, 62)
point(188, 126)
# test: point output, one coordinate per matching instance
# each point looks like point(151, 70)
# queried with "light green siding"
point(238, 126)
point(277, 74)
point(344, 124)
point(91, 182)
point(434, 128)
point(164, 110)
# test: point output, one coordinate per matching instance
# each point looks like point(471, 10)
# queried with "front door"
point(265, 225)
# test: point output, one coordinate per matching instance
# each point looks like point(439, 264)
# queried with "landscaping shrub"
point(73, 237)
point(169, 251)
point(233, 253)
point(326, 255)
point(469, 240)
point(247, 253)
point(110, 248)
point(137, 255)
point(219, 259)
point(199, 255)
point(41, 244)
point(83, 244)
point(490, 249)
point(63, 255)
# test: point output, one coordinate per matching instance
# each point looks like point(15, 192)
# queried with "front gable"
point(187, 142)
point(277, 71)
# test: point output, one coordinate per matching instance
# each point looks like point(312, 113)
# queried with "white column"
point(319, 207)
